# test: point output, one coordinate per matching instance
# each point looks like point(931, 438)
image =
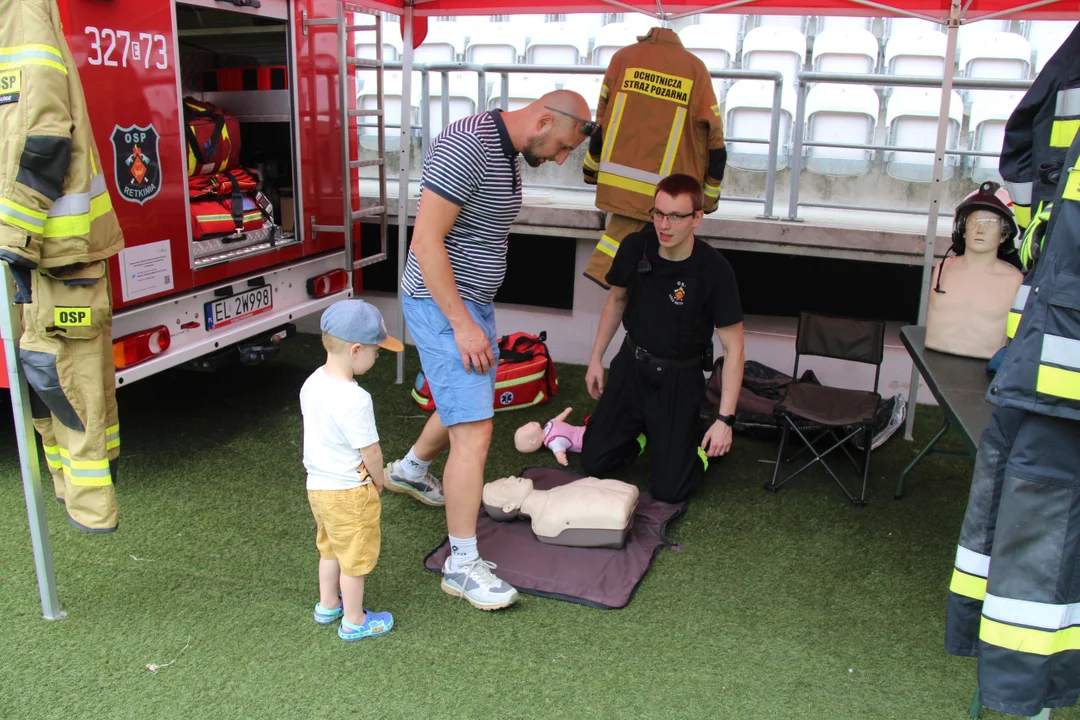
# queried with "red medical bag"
point(525, 375)
point(214, 216)
point(213, 138)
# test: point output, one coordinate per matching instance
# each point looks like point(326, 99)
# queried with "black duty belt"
point(658, 362)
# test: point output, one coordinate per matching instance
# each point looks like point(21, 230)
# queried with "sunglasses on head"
point(588, 127)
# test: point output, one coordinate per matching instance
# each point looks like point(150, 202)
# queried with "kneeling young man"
point(670, 291)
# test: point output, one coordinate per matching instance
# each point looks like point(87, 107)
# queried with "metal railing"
point(799, 131)
point(505, 70)
point(798, 141)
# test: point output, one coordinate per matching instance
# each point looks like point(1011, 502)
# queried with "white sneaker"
point(476, 583)
point(427, 489)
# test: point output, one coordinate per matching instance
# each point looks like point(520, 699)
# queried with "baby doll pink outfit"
point(559, 435)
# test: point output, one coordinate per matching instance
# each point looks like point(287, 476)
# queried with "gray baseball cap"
point(357, 321)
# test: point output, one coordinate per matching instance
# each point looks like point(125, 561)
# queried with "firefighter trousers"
point(664, 406)
point(618, 227)
point(1014, 597)
point(66, 353)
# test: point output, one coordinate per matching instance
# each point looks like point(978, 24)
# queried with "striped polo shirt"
point(473, 164)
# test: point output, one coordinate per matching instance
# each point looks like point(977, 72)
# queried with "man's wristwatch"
point(728, 420)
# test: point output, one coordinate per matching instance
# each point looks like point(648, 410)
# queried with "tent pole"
point(11, 329)
point(935, 199)
point(404, 147)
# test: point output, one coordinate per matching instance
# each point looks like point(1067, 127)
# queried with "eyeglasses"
point(987, 221)
point(588, 127)
point(673, 218)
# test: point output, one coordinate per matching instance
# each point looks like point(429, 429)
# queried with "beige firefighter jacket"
point(54, 206)
point(659, 116)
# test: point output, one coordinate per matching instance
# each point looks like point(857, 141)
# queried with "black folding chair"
point(835, 410)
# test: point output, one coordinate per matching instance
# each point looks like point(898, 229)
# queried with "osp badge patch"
point(138, 170)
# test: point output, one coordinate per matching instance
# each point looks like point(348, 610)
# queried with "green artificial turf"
point(793, 605)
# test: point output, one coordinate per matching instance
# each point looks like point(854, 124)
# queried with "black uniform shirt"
point(664, 290)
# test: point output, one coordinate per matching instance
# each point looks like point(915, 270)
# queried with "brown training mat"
point(598, 577)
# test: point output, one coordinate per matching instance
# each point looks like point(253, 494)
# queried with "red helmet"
point(993, 197)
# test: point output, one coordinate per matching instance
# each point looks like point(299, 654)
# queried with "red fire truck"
point(282, 69)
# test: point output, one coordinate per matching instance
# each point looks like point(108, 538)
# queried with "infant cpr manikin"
point(584, 513)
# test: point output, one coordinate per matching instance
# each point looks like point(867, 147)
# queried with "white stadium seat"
point(833, 22)
point(989, 113)
point(723, 23)
point(911, 121)
point(556, 44)
point(588, 86)
point(444, 42)
point(775, 48)
point(901, 26)
point(795, 22)
point(916, 54)
point(462, 90)
point(1000, 55)
point(589, 22)
point(1046, 36)
point(639, 22)
point(497, 43)
point(845, 51)
point(974, 32)
point(839, 114)
point(610, 39)
point(523, 90)
point(715, 48)
point(528, 22)
point(748, 109)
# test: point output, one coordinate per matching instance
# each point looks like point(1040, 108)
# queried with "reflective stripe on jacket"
point(659, 116)
point(1041, 129)
point(55, 209)
point(1041, 369)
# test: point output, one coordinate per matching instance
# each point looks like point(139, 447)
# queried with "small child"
point(345, 466)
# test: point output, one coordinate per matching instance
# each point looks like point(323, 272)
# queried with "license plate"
point(235, 308)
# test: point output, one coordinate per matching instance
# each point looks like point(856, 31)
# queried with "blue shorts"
point(459, 396)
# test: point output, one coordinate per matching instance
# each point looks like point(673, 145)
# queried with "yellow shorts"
point(347, 527)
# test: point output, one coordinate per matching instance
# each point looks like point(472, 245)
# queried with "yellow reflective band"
point(32, 54)
point(112, 437)
point(608, 245)
point(604, 91)
point(627, 184)
point(704, 458)
point(591, 164)
point(1023, 214)
point(1058, 382)
point(64, 226)
point(190, 162)
point(674, 136)
point(21, 216)
point(535, 401)
point(424, 402)
point(87, 473)
point(715, 110)
point(658, 85)
point(224, 138)
point(712, 191)
point(1072, 185)
point(1029, 640)
point(52, 456)
point(616, 118)
point(968, 585)
point(520, 380)
point(1012, 324)
point(72, 317)
point(1063, 132)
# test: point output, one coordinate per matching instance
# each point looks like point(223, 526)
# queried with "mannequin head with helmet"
point(974, 284)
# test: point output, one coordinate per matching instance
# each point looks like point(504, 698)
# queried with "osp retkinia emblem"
point(138, 169)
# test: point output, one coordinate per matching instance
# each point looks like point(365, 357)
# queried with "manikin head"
point(554, 126)
point(983, 232)
point(990, 200)
point(677, 210)
point(529, 437)
point(503, 497)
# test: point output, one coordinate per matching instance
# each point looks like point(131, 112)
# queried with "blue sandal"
point(327, 617)
point(375, 624)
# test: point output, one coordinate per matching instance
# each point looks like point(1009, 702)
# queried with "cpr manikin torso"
point(970, 301)
point(584, 513)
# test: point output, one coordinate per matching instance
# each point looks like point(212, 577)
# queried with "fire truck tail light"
point(328, 283)
point(137, 347)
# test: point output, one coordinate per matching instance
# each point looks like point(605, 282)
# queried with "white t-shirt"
point(339, 419)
